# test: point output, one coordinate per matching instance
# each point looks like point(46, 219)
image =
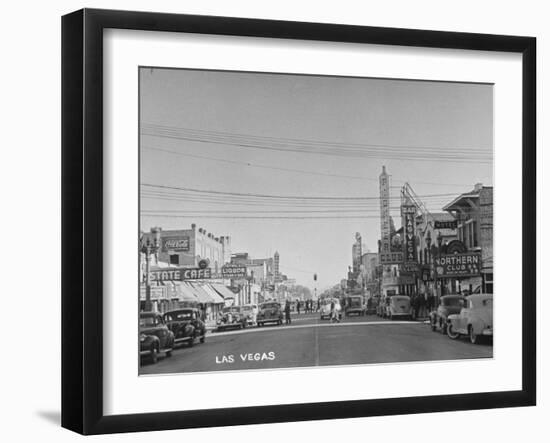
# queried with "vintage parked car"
point(325, 308)
point(448, 305)
point(186, 324)
point(231, 317)
point(354, 305)
point(399, 306)
point(270, 312)
point(474, 320)
point(154, 336)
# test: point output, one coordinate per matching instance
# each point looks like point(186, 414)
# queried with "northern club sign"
point(180, 274)
point(458, 265)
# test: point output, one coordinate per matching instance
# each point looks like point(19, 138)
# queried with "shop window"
point(174, 259)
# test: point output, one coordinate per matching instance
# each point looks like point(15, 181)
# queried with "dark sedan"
point(270, 312)
point(186, 324)
point(154, 336)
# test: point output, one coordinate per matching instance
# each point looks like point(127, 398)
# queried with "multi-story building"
point(186, 247)
point(473, 212)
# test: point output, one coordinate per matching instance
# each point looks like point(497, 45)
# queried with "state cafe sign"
point(179, 274)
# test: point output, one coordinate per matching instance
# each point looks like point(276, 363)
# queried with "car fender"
point(477, 325)
point(452, 319)
point(149, 340)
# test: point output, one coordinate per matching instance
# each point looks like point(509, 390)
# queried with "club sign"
point(458, 265)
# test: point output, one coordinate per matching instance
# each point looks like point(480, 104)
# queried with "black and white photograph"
point(300, 221)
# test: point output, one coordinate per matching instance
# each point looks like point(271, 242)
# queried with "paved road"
point(310, 342)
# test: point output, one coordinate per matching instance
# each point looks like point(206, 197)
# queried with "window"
point(174, 259)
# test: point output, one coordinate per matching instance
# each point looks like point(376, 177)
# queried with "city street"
point(309, 341)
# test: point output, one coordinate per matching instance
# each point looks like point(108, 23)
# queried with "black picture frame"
point(82, 220)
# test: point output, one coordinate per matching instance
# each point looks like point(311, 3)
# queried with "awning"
point(212, 292)
point(185, 293)
point(223, 290)
point(201, 294)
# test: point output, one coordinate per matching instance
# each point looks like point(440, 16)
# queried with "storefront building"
point(473, 212)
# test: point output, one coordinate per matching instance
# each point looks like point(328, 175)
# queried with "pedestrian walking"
point(287, 313)
point(333, 313)
point(422, 306)
point(298, 306)
point(414, 305)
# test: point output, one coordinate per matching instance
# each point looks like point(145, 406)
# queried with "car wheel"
point(203, 338)
point(259, 324)
point(474, 338)
point(169, 353)
point(154, 354)
point(443, 327)
point(192, 341)
point(434, 325)
point(451, 333)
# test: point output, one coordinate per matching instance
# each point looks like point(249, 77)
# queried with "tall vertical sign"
point(409, 214)
point(385, 211)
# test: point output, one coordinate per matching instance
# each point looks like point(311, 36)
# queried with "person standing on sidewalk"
point(287, 313)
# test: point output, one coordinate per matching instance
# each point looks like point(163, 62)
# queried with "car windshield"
point(178, 316)
point(355, 302)
point(453, 301)
point(232, 309)
point(148, 321)
point(398, 299)
point(247, 308)
point(269, 306)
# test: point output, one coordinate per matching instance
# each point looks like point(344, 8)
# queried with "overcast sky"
point(266, 135)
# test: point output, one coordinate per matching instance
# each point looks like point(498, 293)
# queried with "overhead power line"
point(290, 197)
point(333, 148)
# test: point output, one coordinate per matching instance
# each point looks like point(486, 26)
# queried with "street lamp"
point(148, 248)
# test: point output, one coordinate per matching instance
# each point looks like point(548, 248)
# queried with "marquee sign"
point(458, 265)
point(390, 258)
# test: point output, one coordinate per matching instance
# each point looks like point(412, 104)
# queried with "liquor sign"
point(452, 224)
point(180, 274)
point(410, 249)
point(458, 265)
point(233, 271)
point(390, 258)
point(175, 244)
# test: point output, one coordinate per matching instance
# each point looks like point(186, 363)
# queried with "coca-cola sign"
point(175, 244)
